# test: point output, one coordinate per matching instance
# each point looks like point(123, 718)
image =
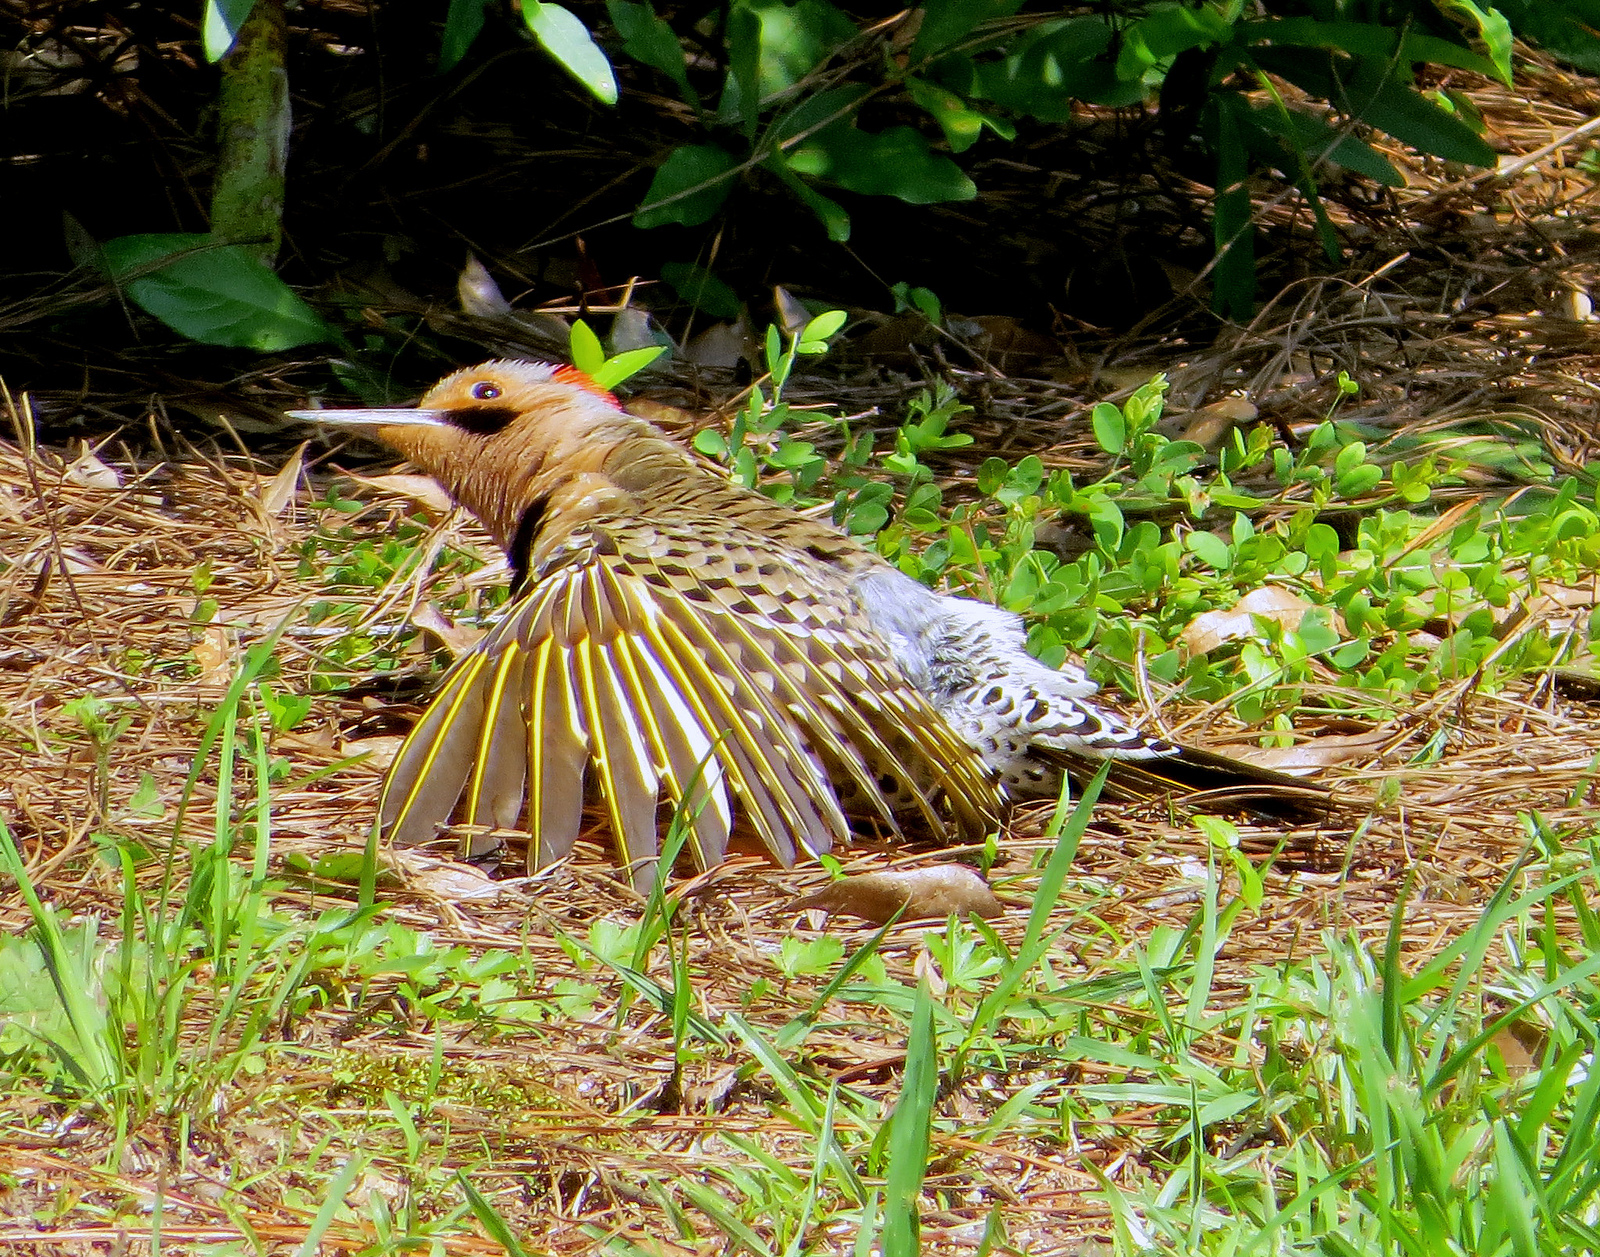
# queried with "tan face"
point(487, 431)
point(481, 401)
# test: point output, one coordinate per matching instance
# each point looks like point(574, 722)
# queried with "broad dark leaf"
point(1565, 28)
point(945, 22)
point(461, 26)
point(897, 162)
point(1375, 96)
point(217, 295)
point(689, 188)
point(741, 96)
point(1318, 140)
point(646, 38)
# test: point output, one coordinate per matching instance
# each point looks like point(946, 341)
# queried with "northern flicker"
point(682, 642)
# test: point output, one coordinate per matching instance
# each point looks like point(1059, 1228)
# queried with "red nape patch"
point(577, 379)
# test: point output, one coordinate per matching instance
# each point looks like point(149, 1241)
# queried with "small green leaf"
point(960, 122)
point(1164, 32)
point(567, 39)
point(797, 36)
point(830, 213)
point(1105, 521)
point(1317, 631)
point(1110, 431)
point(711, 443)
point(1359, 480)
point(584, 346)
point(1210, 549)
point(1404, 113)
point(944, 22)
point(868, 517)
point(1350, 457)
point(1351, 653)
point(991, 475)
point(823, 326)
point(625, 365)
point(1493, 29)
point(689, 188)
point(1321, 542)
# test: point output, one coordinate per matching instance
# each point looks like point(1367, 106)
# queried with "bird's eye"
point(486, 392)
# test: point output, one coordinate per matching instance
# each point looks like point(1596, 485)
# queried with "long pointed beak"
point(396, 417)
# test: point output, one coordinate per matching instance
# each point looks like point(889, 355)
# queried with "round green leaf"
point(824, 325)
point(1211, 550)
point(1359, 480)
point(1110, 432)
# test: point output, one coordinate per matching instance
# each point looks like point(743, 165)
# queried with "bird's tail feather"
point(1203, 779)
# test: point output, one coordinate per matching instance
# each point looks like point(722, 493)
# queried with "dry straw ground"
point(1462, 307)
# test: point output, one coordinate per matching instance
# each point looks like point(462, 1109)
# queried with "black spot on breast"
point(481, 420)
point(528, 525)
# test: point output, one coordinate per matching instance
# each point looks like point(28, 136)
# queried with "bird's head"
point(500, 434)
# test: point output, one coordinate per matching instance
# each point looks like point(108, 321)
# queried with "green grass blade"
point(911, 1125)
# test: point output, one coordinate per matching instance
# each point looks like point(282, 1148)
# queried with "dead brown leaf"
point(214, 653)
point(457, 640)
point(1210, 629)
point(1209, 426)
point(278, 491)
point(1323, 752)
point(914, 894)
point(425, 491)
point(722, 345)
point(450, 880)
point(380, 751)
point(90, 472)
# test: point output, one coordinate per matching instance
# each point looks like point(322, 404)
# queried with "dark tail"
point(1204, 780)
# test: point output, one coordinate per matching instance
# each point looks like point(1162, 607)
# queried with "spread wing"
point(681, 679)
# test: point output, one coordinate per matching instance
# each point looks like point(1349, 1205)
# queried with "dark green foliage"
point(973, 62)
